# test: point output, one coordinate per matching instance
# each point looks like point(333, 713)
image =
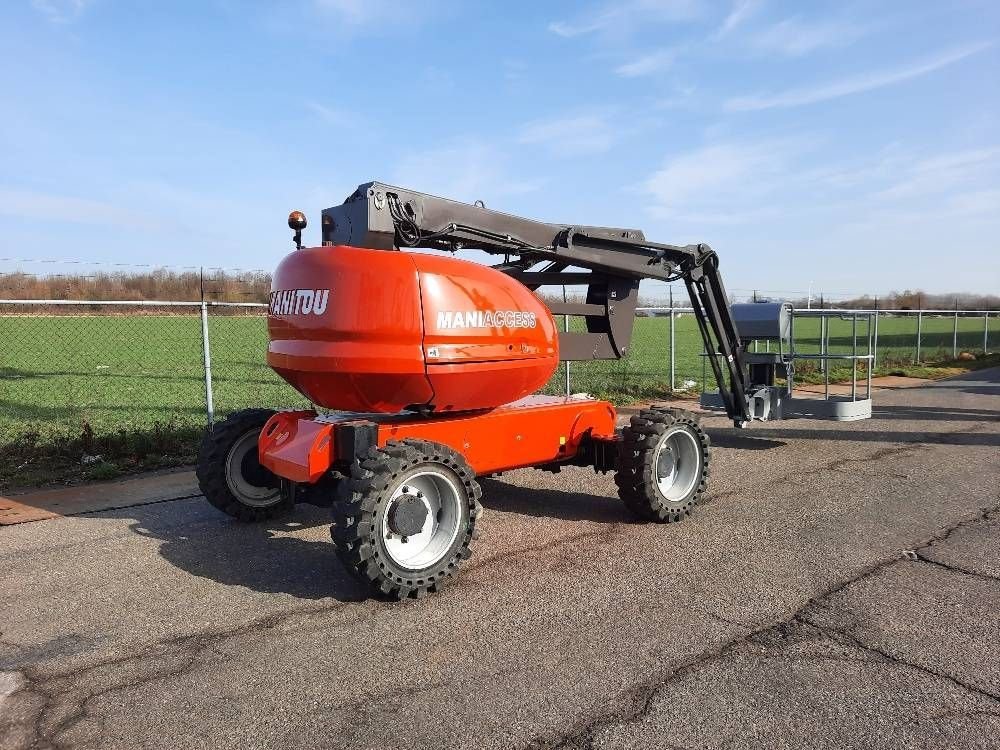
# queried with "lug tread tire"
point(211, 469)
point(369, 484)
point(636, 475)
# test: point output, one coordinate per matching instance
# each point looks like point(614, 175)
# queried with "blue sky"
point(851, 146)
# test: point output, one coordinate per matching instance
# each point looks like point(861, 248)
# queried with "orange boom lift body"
point(403, 345)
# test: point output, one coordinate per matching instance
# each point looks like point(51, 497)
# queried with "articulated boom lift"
point(614, 261)
point(422, 367)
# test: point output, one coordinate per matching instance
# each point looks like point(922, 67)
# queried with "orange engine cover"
point(381, 330)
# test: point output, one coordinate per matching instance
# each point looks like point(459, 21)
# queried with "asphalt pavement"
point(839, 587)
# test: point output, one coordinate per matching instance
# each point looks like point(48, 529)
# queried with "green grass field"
point(132, 385)
point(645, 372)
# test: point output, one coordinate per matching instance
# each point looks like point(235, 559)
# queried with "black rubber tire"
point(636, 475)
point(211, 470)
point(362, 500)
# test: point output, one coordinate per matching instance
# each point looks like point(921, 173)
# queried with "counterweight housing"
point(374, 331)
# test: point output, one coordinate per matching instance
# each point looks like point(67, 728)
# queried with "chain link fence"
point(138, 371)
point(131, 366)
point(92, 389)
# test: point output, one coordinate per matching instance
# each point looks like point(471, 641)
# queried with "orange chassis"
point(539, 431)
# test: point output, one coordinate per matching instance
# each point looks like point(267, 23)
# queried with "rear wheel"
point(230, 474)
point(663, 464)
point(404, 518)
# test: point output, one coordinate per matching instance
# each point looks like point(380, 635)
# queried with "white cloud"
point(873, 169)
point(949, 214)
point(897, 187)
point(848, 86)
point(566, 29)
point(720, 181)
point(46, 207)
point(936, 175)
point(889, 211)
point(734, 182)
point(332, 116)
point(793, 38)
point(367, 12)
point(683, 97)
point(742, 10)
point(975, 203)
point(648, 64)
point(571, 136)
point(466, 170)
point(625, 15)
point(516, 70)
point(60, 11)
point(351, 11)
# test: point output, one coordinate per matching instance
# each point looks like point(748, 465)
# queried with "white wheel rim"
point(442, 500)
point(247, 493)
point(677, 463)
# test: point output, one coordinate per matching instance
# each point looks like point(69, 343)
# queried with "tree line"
point(159, 284)
point(909, 299)
point(255, 286)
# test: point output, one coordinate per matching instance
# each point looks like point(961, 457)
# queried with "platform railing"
point(824, 356)
point(917, 348)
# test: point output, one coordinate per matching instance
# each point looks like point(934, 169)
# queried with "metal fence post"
point(209, 406)
point(954, 339)
point(825, 349)
point(986, 333)
point(854, 357)
point(704, 368)
point(566, 329)
point(823, 328)
point(871, 354)
point(874, 352)
point(920, 318)
point(673, 347)
point(790, 374)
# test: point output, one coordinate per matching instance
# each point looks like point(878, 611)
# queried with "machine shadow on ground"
point(981, 383)
point(262, 557)
point(934, 413)
point(569, 505)
point(737, 441)
point(883, 436)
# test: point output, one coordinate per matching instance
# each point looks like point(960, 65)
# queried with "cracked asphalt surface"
point(840, 587)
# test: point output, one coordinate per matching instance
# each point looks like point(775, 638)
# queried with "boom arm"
point(614, 260)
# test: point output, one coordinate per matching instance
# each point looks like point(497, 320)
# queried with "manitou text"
point(299, 301)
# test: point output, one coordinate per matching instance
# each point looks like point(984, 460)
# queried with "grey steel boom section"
point(614, 260)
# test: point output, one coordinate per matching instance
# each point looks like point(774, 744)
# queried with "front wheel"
point(405, 517)
point(663, 464)
point(230, 475)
